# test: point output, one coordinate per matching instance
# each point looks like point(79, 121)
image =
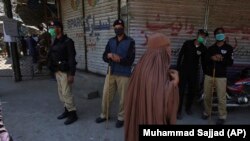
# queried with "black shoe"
point(189, 112)
point(119, 124)
point(204, 116)
point(72, 117)
point(100, 120)
point(179, 116)
point(64, 114)
point(220, 122)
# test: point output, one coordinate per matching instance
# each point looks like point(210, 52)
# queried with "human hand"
point(217, 57)
point(174, 75)
point(110, 55)
point(116, 58)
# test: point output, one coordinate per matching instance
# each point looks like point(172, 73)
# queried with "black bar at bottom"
point(201, 132)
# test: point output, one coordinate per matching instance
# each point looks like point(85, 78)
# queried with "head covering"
point(118, 22)
point(152, 98)
point(159, 41)
point(203, 31)
point(56, 23)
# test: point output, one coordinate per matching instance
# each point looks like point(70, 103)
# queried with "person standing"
point(191, 55)
point(219, 57)
point(31, 43)
point(63, 64)
point(119, 54)
point(43, 45)
point(153, 95)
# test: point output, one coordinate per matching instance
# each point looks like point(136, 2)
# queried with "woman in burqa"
point(152, 95)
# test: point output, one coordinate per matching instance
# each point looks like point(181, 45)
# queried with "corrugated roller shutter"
point(72, 18)
point(234, 17)
point(99, 18)
point(178, 19)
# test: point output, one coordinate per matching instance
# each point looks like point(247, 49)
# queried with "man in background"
point(192, 54)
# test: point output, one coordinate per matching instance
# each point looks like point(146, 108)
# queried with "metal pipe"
point(13, 45)
point(119, 9)
point(84, 37)
point(59, 14)
point(206, 15)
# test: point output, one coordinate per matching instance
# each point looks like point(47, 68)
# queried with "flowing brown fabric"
point(152, 98)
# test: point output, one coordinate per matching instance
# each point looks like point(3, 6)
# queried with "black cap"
point(203, 31)
point(56, 23)
point(119, 22)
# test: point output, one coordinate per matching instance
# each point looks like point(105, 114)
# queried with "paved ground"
point(30, 108)
point(26, 66)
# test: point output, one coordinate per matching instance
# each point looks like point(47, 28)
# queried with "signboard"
point(8, 38)
point(10, 27)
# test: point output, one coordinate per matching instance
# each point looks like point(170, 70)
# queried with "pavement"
point(30, 108)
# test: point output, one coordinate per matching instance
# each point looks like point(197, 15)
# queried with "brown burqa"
point(152, 98)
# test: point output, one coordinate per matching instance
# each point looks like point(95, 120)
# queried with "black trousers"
point(188, 90)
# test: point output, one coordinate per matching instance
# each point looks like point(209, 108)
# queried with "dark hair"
point(217, 29)
point(203, 31)
point(119, 22)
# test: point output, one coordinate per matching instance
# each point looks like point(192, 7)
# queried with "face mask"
point(200, 40)
point(220, 37)
point(119, 31)
point(52, 32)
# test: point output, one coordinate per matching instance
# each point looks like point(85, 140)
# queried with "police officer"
point(219, 57)
point(63, 64)
point(188, 61)
point(120, 54)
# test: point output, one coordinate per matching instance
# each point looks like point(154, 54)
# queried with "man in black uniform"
point(62, 62)
point(188, 66)
point(218, 58)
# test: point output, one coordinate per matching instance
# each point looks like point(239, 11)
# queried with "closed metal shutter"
point(72, 18)
point(234, 17)
point(177, 19)
point(99, 18)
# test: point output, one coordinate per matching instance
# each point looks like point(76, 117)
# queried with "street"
point(30, 108)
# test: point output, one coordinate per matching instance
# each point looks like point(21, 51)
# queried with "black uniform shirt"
point(63, 50)
point(220, 67)
point(188, 59)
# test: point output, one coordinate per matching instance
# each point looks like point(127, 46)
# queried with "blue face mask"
point(220, 37)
